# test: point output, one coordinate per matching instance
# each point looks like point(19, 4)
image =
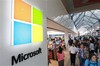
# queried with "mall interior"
point(49, 32)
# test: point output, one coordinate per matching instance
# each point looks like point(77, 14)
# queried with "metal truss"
point(89, 18)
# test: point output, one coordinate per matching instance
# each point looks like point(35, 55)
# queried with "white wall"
point(52, 8)
point(55, 8)
point(7, 50)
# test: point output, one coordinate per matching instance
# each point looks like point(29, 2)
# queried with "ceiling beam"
point(93, 24)
point(78, 17)
point(94, 15)
point(87, 22)
point(80, 22)
point(79, 25)
point(60, 19)
point(91, 17)
point(90, 20)
point(76, 20)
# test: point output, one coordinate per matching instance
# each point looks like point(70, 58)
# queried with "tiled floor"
point(53, 63)
point(67, 60)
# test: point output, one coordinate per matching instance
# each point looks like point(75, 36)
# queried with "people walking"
point(70, 41)
point(92, 48)
point(82, 54)
point(73, 52)
point(60, 56)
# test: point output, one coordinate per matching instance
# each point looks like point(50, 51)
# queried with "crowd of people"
point(53, 47)
point(87, 49)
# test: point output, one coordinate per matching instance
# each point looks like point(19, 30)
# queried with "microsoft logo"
point(27, 24)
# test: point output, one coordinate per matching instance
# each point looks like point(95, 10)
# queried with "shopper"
point(48, 58)
point(92, 61)
point(92, 48)
point(66, 54)
point(60, 56)
point(99, 44)
point(82, 54)
point(96, 47)
point(70, 41)
point(73, 52)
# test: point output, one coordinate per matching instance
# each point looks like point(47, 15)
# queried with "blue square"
point(22, 33)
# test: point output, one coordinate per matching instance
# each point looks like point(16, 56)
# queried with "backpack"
point(94, 64)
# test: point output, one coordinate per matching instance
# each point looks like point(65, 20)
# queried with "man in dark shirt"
point(70, 42)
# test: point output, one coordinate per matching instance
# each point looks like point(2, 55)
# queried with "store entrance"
point(55, 39)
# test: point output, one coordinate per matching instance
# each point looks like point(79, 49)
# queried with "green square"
point(37, 16)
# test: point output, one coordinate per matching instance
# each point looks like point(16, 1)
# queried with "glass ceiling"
point(83, 20)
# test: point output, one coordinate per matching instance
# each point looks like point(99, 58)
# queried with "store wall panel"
point(7, 50)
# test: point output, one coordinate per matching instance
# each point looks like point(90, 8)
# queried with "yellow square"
point(37, 33)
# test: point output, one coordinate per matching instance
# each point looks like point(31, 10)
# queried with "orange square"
point(22, 11)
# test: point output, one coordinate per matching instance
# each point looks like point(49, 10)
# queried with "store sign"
point(27, 24)
point(22, 57)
